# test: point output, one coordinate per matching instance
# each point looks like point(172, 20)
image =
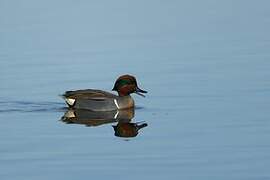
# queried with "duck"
point(99, 100)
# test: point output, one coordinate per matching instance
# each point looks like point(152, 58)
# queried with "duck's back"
point(97, 100)
point(88, 94)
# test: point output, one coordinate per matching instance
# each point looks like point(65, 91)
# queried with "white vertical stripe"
point(115, 102)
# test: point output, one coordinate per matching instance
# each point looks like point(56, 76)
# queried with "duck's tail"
point(70, 101)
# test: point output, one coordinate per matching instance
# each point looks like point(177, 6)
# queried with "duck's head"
point(127, 84)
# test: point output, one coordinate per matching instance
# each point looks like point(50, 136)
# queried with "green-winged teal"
point(98, 100)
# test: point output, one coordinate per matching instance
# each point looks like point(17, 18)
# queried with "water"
point(205, 65)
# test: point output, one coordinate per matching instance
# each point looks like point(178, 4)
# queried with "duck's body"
point(98, 100)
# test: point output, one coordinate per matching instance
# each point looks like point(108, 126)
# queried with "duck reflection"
point(123, 128)
point(127, 129)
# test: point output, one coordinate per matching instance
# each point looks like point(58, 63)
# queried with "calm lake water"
point(205, 65)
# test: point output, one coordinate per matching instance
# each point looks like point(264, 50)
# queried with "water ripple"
point(30, 106)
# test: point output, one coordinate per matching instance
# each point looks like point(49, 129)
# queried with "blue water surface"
point(205, 65)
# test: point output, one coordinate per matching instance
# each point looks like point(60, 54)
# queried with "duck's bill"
point(140, 92)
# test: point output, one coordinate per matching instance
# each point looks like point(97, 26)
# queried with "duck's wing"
point(88, 94)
